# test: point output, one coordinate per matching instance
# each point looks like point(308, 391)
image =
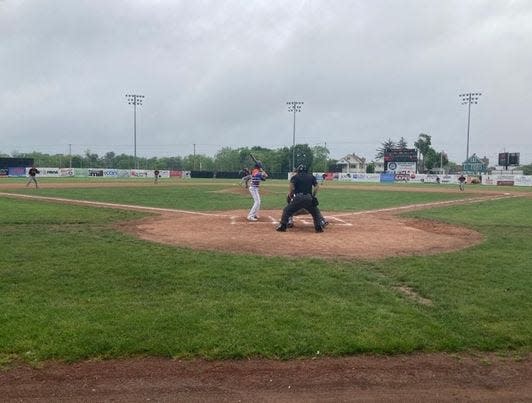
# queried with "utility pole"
point(135, 99)
point(294, 106)
point(469, 98)
point(194, 161)
point(70, 155)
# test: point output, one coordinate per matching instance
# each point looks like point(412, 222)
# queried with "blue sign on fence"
point(387, 177)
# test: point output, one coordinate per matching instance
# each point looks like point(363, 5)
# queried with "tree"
point(423, 146)
point(227, 159)
point(198, 162)
point(321, 156)
point(386, 146)
point(332, 166)
point(370, 168)
point(527, 169)
point(91, 159)
point(423, 143)
point(402, 143)
point(431, 159)
point(109, 159)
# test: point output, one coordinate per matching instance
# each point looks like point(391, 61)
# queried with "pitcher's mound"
point(351, 236)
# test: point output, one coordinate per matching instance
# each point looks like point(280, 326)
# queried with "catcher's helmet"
point(301, 168)
point(259, 165)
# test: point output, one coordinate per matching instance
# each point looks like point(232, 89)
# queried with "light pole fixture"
point(135, 99)
point(469, 98)
point(294, 106)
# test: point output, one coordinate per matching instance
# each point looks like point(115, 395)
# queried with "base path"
point(413, 378)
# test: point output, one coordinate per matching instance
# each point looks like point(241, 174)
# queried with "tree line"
point(225, 160)
point(234, 159)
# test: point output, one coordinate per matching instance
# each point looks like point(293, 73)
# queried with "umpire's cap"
point(301, 168)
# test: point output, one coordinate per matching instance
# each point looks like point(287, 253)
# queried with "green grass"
point(226, 195)
point(72, 287)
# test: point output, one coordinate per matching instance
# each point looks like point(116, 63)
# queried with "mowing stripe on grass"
point(109, 205)
point(170, 210)
point(431, 204)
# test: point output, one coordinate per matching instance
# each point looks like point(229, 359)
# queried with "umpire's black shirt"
point(303, 183)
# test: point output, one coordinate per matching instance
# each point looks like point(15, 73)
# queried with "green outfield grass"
point(73, 287)
point(208, 195)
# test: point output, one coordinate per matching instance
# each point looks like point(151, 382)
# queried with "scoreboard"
point(508, 159)
point(401, 155)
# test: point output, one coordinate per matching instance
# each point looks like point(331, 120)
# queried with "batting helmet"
point(301, 168)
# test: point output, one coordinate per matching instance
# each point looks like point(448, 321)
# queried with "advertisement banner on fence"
point(4, 172)
point(387, 177)
point(66, 172)
point(498, 180)
point(414, 178)
point(46, 172)
point(17, 171)
point(81, 172)
point(180, 174)
point(110, 173)
point(123, 173)
point(363, 177)
point(139, 173)
point(523, 180)
point(95, 172)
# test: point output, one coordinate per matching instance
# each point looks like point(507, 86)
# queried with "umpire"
point(303, 190)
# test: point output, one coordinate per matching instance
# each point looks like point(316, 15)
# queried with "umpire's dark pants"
point(302, 201)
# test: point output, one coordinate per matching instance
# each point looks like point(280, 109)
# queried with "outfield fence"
point(385, 177)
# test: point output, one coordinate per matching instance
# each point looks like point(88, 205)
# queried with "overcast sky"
point(219, 73)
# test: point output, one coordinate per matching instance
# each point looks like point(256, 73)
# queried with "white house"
point(379, 166)
point(352, 163)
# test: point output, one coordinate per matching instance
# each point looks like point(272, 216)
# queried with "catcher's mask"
point(301, 168)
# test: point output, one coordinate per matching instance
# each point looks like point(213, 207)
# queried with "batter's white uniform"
point(256, 177)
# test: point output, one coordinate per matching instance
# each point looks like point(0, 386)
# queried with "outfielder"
point(302, 193)
point(257, 176)
point(32, 173)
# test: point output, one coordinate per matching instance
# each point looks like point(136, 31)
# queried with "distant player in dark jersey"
point(462, 181)
point(32, 173)
point(156, 174)
point(245, 176)
point(302, 193)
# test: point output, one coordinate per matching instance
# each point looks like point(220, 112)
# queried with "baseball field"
point(128, 271)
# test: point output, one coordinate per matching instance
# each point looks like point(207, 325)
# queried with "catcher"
point(303, 211)
point(302, 195)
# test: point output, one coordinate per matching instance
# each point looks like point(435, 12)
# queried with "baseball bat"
point(256, 161)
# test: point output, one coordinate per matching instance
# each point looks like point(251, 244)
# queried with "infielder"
point(462, 180)
point(32, 173)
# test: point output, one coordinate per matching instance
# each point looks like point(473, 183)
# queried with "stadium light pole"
point(294, 106)
point(469, 98)
point(135, 99)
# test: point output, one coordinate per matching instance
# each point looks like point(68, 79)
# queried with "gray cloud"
point(219, 74)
